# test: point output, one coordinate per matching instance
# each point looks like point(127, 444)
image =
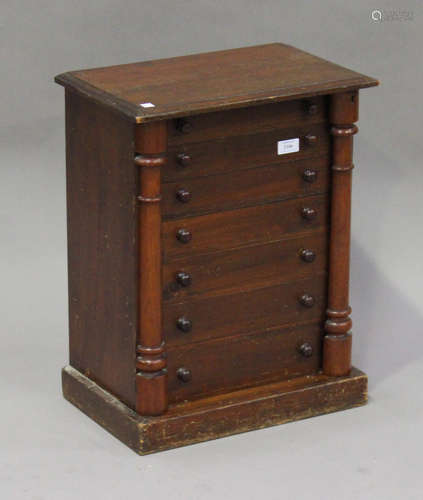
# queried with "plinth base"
point(216, 416)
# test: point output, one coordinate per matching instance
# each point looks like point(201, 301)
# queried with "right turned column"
point(337, 341)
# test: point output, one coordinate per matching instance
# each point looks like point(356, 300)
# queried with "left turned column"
point(151, 378)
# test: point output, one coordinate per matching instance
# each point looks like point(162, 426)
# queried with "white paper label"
point(147, 105)
point(288, 146)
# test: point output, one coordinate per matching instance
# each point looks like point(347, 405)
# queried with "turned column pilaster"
point(151, 377)
point(337, 341)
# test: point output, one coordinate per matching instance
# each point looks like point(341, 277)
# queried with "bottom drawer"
point(231, 363)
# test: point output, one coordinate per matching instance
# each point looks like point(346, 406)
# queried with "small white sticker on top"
point(147, 105)
point(288, 146)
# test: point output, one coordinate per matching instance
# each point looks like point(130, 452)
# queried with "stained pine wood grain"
point(338, 341)
point(245, 187)
point(151, 377)
point(208, 274)
point(234, 78)
point(216, 416)
point(102, 249)
point(244, 151)
point(241, 313)
point(248, 121)
point(237, 228)
point(235, 362)
point(247, 268)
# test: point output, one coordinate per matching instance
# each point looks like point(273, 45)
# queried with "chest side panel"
point(101, 191)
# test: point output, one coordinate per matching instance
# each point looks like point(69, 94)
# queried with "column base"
point(217, 416)
point(337, 355)
point(151, 393)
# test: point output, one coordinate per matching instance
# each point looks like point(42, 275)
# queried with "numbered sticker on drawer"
point(289, 146)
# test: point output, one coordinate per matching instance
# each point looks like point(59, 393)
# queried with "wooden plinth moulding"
point(151, 378)
point(337, 342)
point(215, 416)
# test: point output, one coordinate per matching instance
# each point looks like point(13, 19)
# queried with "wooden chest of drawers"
point(208, 234)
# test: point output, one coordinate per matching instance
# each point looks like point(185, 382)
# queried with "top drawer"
point(236, 153)
point(245, 121)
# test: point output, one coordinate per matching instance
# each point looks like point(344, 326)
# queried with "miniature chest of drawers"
point(208, 243)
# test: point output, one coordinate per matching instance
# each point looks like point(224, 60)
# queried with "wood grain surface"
point(245, 151)
point(240, 313)
point(243, 227)
point(248, 121)
point(245, 188)
point(102, 245)
point(235, 362)
point(217, 416)
point(234, 78)
point(247, 268)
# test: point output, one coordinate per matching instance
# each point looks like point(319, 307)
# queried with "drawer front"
point(245, 188)
point(223, 315)
point(246, 268)
point(244, 151)
point(243, 227)
point(244, 121)
point(237, 362)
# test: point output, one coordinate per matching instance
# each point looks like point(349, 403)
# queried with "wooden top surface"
point(187, 85)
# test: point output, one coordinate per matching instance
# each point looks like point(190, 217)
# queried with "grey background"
point(51, 451)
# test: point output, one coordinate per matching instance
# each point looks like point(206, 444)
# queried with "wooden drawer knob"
point(306, 349)
point(307, 300)
point(310, 139)
point(307, 255)
point(183, 235)
point(183, 126)
point(183, 195)
point(309, 175)
point(183, 159)
point(311, 107)
point(184, 279)
point(308, 213)
point(184, 324)
point(183, 374)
